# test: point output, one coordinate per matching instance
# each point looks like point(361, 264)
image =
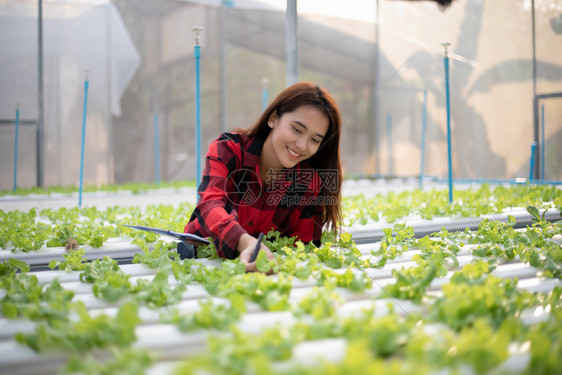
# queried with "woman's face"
point(296, 136)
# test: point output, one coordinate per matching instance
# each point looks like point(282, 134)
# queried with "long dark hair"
point(327, 157)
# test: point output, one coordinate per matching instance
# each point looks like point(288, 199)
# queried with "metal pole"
point(389, 141)
point(16, 147)
point(376, 94)
point(422, 147)
point(225, 4)
point(542, 146)
point(534, 48)
point(83, 140)
point(535, 107)
point(156, 149)
point(291, 43)
point(197, 52)
point(536, 125)
point(446, 62)
point(264, 93)
point(40, 119)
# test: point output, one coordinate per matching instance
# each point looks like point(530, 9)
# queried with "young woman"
point(283, 173)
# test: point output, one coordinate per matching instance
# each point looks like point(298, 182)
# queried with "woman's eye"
point(297, 130)
point(315, 140)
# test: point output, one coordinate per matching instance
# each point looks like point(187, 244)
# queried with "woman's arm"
point(215, 215)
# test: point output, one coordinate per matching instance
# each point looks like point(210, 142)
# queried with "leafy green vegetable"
point(110, 282)
point(10, 266)
point(86, 333)
point(412, 283)
point(73, 261)
point(157, 292)
point(25, 297)
point(126, 361)
point(472, 295)
point(211, 316)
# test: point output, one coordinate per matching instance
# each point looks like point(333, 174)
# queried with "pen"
point(257, 249)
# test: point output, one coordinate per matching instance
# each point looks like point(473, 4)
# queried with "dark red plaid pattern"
point(233, 200)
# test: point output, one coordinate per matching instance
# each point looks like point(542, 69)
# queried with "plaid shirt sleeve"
point(214, 215)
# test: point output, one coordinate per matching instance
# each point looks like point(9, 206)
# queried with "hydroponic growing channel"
point(481, 293)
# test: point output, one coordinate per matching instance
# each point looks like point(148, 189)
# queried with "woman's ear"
point(272, 120)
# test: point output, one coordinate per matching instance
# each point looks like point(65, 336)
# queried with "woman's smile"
point(293, 153)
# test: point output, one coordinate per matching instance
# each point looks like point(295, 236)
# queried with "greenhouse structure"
point(448, 254)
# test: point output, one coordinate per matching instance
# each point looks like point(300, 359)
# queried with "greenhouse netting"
point(381, 59)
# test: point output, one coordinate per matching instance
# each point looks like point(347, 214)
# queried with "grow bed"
point(485, 300)
point(45, 230)
point(123, 249)
point(341, 307)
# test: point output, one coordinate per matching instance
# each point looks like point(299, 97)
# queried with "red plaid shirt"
point(233, 200)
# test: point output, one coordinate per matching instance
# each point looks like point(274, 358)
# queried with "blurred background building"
point(379, 59)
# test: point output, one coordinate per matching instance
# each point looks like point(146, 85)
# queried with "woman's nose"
point(301, 144)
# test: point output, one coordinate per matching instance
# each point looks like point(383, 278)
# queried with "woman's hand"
point(246, 245)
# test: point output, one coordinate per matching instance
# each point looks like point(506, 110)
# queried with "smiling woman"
point(283, 173)
point(294, 137)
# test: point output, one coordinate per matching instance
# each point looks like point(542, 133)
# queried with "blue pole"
point(542, 142)
point(446, 62)
point(424, 117)
point(197, 53)
point(264, 94)
point(532, 167)
point(16, 147)
point(389, 140)
point(264, 99)
point(156, 149)
point(83, 141)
